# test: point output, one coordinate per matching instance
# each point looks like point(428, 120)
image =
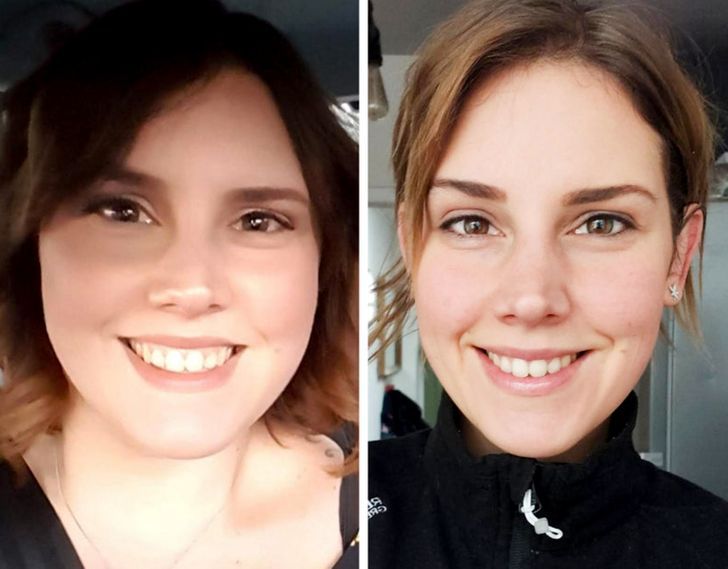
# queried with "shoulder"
point(396, 472)
point(29, 530)
point(391, 459)
point(17, 490)
point(680, 512)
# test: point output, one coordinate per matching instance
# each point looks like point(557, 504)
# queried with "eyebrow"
point(252, 194)
point(578, 197)
point(591, 195)
point(472, 189)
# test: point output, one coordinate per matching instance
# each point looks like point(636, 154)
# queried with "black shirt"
point(32, 536)
point(433, 505)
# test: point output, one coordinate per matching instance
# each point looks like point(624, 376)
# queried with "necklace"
point(179, 557)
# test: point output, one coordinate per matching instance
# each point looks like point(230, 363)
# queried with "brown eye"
point(469, 225)
point(255, 223)
point(261, 222)
point(604, 224)
point(600, 225)
point(473, 226)
point(119, 210)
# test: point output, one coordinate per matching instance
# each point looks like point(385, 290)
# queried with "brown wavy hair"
point(488, 36)
point(79, 114)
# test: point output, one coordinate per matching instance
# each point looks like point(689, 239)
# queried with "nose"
point(532, 285)
point(188, 279)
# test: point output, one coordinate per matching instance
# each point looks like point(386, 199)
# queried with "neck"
point(479, 445)
point(127, 500)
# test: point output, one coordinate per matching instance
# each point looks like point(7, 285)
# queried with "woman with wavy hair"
point(178, 241)
point(552, 163)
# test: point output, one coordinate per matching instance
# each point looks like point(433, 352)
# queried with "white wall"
point(383, 248)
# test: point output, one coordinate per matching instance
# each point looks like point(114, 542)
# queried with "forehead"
point(224, 133)
point(555, 126)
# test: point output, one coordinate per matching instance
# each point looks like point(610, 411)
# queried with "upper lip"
point(529, 355)
point(181, 342)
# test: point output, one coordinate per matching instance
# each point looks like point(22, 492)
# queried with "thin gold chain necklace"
point(179, 557)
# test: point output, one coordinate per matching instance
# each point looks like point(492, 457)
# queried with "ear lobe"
point(686, 245)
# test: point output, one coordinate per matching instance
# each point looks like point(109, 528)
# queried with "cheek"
point(448, 291)
point(277, 292)
point(622, 296)
point(81, 282)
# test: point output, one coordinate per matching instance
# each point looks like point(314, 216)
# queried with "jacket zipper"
point(521, 539)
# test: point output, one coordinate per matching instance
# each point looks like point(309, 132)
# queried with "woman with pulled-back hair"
point(178, 213)
point(552, 163)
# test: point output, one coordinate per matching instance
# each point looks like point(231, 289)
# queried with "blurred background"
point(683, 421)
point(325, 32)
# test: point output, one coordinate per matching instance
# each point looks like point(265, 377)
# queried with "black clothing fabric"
point(349, 522)
point(32, 536)
point(432, 505)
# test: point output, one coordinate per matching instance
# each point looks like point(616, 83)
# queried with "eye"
point(604, 224)
point(262, 222)
point(467, 225)
point(121, 210)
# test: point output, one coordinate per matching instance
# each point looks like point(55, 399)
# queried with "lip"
point(528, 355)
point(206, 380)
point(530, 386)
point(183, 343)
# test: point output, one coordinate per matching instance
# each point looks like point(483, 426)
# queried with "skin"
point(521, 268)
point(180, 258)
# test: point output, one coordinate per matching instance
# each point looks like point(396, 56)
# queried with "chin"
point(184, 440)
point(540, 438)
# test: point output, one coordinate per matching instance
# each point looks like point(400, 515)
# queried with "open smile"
point(182, 360)
point(530, 373)
point(523, 367)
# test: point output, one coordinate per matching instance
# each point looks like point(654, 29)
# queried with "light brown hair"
point(78, 115)
point(489, 36)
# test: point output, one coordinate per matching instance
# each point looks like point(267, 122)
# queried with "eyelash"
point(108, 207)
point(450, 224)
point(626, 224)
point(265, 218)
point(618, 220)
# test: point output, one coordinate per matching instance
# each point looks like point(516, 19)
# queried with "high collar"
point(582, 499)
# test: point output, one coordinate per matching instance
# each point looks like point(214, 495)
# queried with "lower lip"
point(530, 386)
point(183, 383)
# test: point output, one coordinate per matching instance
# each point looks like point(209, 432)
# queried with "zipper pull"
point(540, 525)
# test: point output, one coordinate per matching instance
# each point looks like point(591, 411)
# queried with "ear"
point(686, 245)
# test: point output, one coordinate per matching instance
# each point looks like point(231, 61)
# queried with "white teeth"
point(194, 361)
point(537, 368)
point(534, 368)
point(211, 361)
point(179, 360)
point(158, 358)
point(519, 367)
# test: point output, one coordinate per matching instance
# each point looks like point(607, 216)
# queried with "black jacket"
point(432, 505)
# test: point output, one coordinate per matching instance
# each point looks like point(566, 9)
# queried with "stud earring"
point(674, 292)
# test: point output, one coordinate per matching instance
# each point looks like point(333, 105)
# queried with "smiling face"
point(179, 292)
point(547, 259)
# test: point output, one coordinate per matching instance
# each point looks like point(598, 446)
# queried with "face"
point(179, 291)
point(547, 259)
